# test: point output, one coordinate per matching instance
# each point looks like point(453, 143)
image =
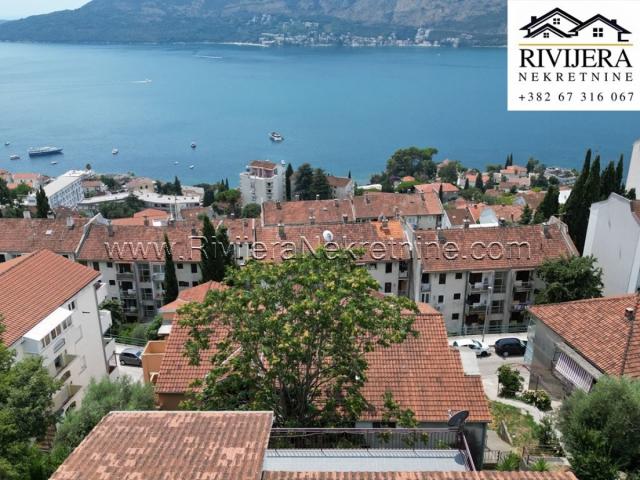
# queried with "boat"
point(176, 163)
point(42, 151)
point(14, 157)
point(276, 137)
point(115, 151)
point(191, 167)
point(193, 145)
point(6, 144)
point(54, 163)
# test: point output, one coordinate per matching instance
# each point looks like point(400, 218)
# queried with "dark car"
point(131, 356)
point(510, 346)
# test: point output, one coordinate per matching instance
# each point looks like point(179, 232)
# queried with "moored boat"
point(42, 151)
point(14, 157)
point(276, 137)
point(115, 151)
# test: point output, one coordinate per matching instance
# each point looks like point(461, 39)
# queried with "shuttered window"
point(569, 369)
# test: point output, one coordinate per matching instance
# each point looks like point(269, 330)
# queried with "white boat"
point(115, 151)
point(54, 163)
point(193, 145)
point(276, 137)
point(191, 167)
point(176, 163)
point(6, 144)
point(14, 157)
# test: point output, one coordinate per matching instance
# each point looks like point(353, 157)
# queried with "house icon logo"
point(557, 25)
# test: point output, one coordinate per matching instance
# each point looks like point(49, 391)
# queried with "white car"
point(481, 349)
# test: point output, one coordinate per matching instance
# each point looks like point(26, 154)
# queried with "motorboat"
point(276, 137)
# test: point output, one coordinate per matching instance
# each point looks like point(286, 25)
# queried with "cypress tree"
point(549, 205)
point(619, 176)
point(509, 161)
point(576, 212)
point(42, 204)
point(608, 182)
point(591, 193)
point(223, 254)
point(441, 193)
point(288, 176)
point(525, 218)
point(631, 194)
point(304, 177)
point(349, 176)
point(177, 187)
point(466, 184)
point(208, 250)
point(479, 185)
point(592, 187)
point(320, 185)
point(170, 279)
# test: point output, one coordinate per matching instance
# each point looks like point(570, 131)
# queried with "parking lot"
point(134, 373)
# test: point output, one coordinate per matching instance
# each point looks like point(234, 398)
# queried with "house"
point(613, 237)
point(49, 307)
point(449, 190)
point(308, 212)
point(482, 279)
point(555, 23)
point(149, 216)
point(431, 383)
point(571, 345)
point(422, 210)
point(341, 187)
point(33, 180)
point(141, 184)
point(263, 181)
point(93, 187)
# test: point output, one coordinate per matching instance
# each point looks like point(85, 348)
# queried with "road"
point(134, 373)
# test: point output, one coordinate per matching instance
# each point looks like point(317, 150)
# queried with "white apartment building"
point(64, 191)
point(484, 278)
point(49, 306)
point(263, 181)
point(613, 237)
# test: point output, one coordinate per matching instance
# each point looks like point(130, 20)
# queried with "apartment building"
point(613, 237)
point(49, 306)
point(64, 191)
point(482, 279)
point(263, 181)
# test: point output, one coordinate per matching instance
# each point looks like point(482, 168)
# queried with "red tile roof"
point(151, 213)
point(139, 243)
point(483, 475)
point(34, 285)
point(532, 198)
point(171, 445)
point(193, 294)
point(598, 330)
point(390, 240)
point(435, 187)
point(263, 164)
point(22, 235)
point(373, 204)
point(492, 248)
point(338, 182)
point(457, 216)
point(298, 212)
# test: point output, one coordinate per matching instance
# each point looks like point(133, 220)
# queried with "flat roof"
point(47, 324)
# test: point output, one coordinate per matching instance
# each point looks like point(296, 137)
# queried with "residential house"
point(482, 279)
point(613, 237)
point(141, 184)
point(171, 203)
point(308, 212)
point(263, 181)
point(33, 180)
point(341, 187)
point(421, 210)
point(571, 345)
point(49, 307)
point(449, 190)
point(149, 216)
point(93, 187)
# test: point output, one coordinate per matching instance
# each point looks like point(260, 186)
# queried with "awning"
point(574, 373)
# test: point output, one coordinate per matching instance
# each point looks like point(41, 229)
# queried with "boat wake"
point(211, 57)
point(142, 81)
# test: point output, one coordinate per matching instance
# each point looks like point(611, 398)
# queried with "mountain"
point(473, 21)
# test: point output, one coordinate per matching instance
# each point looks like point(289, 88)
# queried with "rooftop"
point(374, 204)
point(338, 182)
point(33, 286)
point(19, 235)
point(170, 445)
point(263, 164)
point(598, 330)
point(63, 181)
point(298, 212)
point(193, 294)
point(483, 475)
point(435, 187)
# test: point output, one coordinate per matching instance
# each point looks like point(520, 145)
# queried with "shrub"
point(547, 437)
point(538, 398)
point(540, 465)
point(510, 463)
point(510, 380)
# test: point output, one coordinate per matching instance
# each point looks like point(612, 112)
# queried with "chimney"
point(440, 235)
point(281, 233)
point(396, 212)
point(422, 196)
point(146, 221)
point(465, 223)
point(502, 222)
point(312, 220)
point(630, 314)
point(345, 218)
point(317, 196)
point(614, 21)
point(533, 19)
point(545, 230)
point(110, 229)
point(26, 214)
point(366, 198)
point(297, 197)
point(70, 222)
point(278, 205)
point(385, 223)
point(336, 203)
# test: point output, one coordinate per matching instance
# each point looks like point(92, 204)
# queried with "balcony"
point(101, 291)
point(522, 285)
point(124, 276)
point(425, 287)
point(128, 293)
point(64, 362)
point(105, 320)
point(63, 398)
point(519, 306)
point(109, 346)
point(480, 307)
point(158, 277)
point(479, 286)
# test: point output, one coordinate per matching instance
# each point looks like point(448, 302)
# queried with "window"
point(3, 258)
point(598, 32)
point(388, 267)
point(144, 272)
point(96, 266)
point(109, 265)
point(425, 298)
point(387, 287)
point(442, 279)
point(458, 275)
point(440, 298)
point(112, 282)
point(180, 266)
point(556, 20)
point(183, 284)
point(425, 278)
point(545, 35)
point(455, 316)
point(72, 306)
point(194, 284)
point(194, 268)
point(456, 296)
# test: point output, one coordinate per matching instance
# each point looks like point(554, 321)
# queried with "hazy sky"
point(10, 9)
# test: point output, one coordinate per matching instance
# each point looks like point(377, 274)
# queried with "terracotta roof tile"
point(171, 445)
point(373, 204)
point(532, 198)
point(21, 235)
point(457, 216)
point(473, 252)
point(338, 182)
point(263, 164)
point(483, 475)
point(193, 294)
point(598, 330)
point(435, 187)
point(34, 285)
point(151, 213)
point(298, 212)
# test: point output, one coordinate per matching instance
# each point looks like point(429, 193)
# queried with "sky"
point(12, 9)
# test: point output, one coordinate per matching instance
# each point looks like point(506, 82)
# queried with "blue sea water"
point(341, 109)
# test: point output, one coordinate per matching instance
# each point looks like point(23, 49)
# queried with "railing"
point(481, 307)
point(479, 329)
point(425, 287)
point(520, 307)
point(479, 286)
point(138, 342)
point(522, 285)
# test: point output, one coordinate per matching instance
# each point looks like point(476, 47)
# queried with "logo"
point(573, 55)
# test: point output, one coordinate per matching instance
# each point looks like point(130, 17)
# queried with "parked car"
point(510, 346)
point(481, 349)
point(131, 356)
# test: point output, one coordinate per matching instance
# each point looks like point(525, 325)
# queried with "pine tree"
point(466, 184)
point(177, 187)
point(226, 184)
point(608, 182)
point(525, 218)
point(576, 211)
point(288, 176)
point(170, 279)
point(592, 187)
point(479, 185)
point(42, 204)
point(303, 179)
point(619, 176)
point(208, 250)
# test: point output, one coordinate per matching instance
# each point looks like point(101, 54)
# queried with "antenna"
point(327, 235)
point(456, 420)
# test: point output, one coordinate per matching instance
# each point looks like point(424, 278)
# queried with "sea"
point(341, 109)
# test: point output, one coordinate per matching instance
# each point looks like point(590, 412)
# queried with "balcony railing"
point(479, 286)
point(479, 329)
point(477, 307)
point(64, 396)
point(522, 285)
point(425, 287)
point(124, 275)
point(66, 360)
point(519, 306)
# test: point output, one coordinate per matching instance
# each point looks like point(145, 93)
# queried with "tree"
point(320, 187)
point(608, 181)
point(414, 162)
point(303, 180)
point(631, 194)
point(509, 161)
point(216, 253)
point(619, 176)
point(228, 201)
point(466, 183)
point(449, 172)
point(100, 398)
point(298, 331)
point(478, 183)
point(576, 214)
point(117, 314)
point(126, 209)
point(288, 175)
point(251, 210)
point(569, 278)
point(170, 279)
point(109, 182)
point(532, 163)
point(42, 204)
point(177, 186)
point(599, 429)
point(493, 168)
point(6, 197)
point(592, 186)
point(550, 204)
point(510, 381)
point(525, 218)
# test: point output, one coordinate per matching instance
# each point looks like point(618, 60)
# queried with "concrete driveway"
point(134, 373)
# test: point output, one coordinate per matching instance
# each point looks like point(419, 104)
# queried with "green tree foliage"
point(110, 182)
point(288, 179)
point(620, 176)
point(608, 181)
point(117, 314)
point(5, 194)
point(228, 201)
point(466, 184)
point(449, 173)
point(478, 183)
point(493, 168)
point(251, 210)
point(126, 209)
point(510, 381)
point(592, 186)
point(532, 163)
point(26, 390)
point(177, 186)
point(100, 398)
point(526, 217)
point(153, 327)
point(217, 254)
point(170, 279)
point(42, 204)
point(303, 182)
point(631, 194)
point(320, 187)
point(539, 181)
point(550, 204)
point(405, 187)
point(599, 429)
point(509, 161)
point(510, 463)
point(298, 333)
point(413, 161)
point(569, 278)
point(576, 214)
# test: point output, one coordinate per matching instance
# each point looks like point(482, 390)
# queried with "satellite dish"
point(457, 419)
point(327, 235)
